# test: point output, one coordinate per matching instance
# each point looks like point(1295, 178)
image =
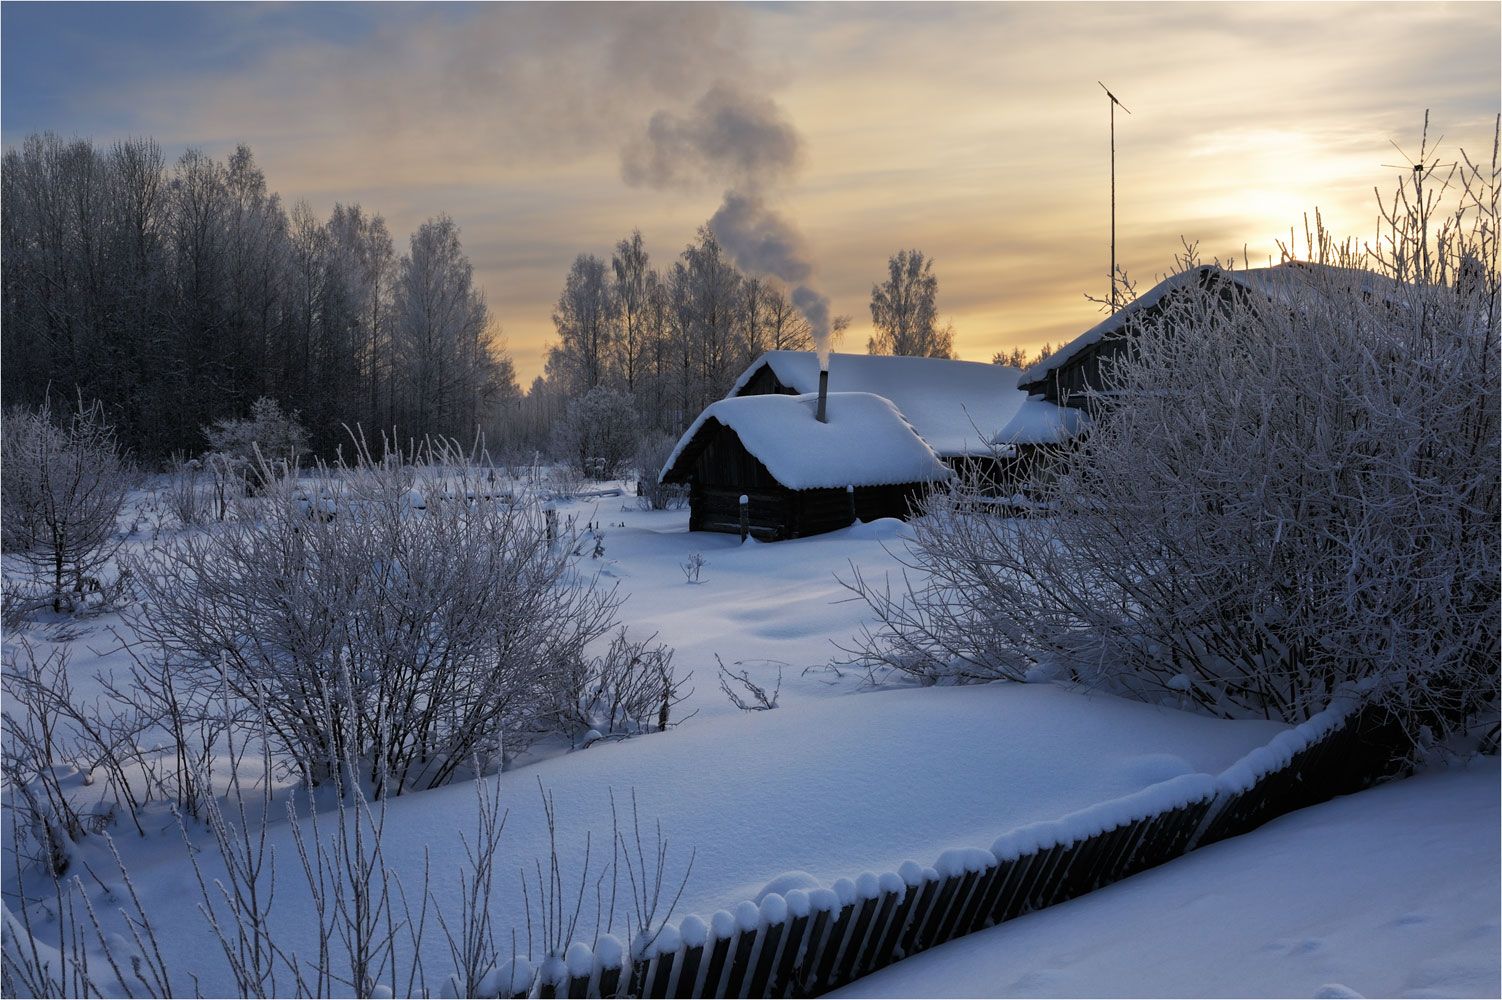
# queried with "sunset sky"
point(974, 132)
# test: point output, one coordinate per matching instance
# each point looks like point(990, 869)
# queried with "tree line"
point(176, 295)
point(672, 339)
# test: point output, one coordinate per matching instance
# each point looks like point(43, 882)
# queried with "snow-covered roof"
point(956, 406)
point(1111, 324)
point(1280, 283)
point(866, 441)
point(1037, 421)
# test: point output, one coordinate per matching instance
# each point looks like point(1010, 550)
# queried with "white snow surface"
point(1038, 421)
point(833, 786)
point(956, 406)
point(866, 441)
point(1391, 892)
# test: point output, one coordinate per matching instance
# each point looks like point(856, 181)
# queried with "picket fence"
point(807, 943)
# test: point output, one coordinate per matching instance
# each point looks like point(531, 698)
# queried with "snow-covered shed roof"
point(1037, 421)
point(956, 406)
point(1280, 283)
point(866, 441)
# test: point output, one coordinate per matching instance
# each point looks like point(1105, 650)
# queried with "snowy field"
point(841, 779)
point(1388, 893)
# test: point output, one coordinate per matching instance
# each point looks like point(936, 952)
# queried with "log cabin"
point(801, 472)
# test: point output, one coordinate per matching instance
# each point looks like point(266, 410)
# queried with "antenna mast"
point(1114, 105)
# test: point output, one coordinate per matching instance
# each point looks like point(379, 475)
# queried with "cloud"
point(974, 132)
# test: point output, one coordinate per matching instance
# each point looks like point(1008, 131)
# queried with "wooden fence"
point(805, 944)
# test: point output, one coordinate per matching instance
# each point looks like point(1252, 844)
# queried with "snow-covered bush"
point(187, 494)
point(599, 432)
point(64, 485)
point(1284, 493)
point(389, 619)
point(268, 442)
point(631, 688)
point(651, 456)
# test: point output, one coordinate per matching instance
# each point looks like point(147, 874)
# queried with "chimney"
point(821, 415)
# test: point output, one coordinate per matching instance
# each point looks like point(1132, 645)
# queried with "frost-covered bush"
point(388, 619)
point(269, 441)
point(1283, 493)
point(187, 493)
point(63, 487)
point(631, 688)
point(651, 456)
point(599, 432)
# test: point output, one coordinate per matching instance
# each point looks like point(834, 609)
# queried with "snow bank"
point(747, 916)
point(669, 940)
point(799, 903)
point(1038, 421)
point(693, 931)
point(866, 441)
point(1388, 893)
point(609, 952)
point(956, 406)
point(580, 959)
point(513, 977)
point(774, 910)
point(786, 882)
point(961, 860)
point(1281, 749)
point(722, 924)
point(1160, 798)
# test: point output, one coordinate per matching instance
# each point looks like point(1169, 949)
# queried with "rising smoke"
point(746, 143)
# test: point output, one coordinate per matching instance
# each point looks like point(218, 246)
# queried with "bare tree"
point(631, 292)
point(63, 490)
point(904, 309)
point(585, 320)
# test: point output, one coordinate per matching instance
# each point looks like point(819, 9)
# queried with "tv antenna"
point(1114, 105)
point(1424, 165)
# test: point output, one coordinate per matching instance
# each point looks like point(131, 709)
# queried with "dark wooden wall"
point(720, 470)
point(766, 383)
point(1068, 384)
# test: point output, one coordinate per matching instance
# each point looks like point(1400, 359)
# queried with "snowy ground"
point(838, 780)
point(1388, 893)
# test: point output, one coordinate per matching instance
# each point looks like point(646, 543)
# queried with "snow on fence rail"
point(806, 942)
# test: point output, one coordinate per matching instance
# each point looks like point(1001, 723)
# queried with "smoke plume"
point(746, 143)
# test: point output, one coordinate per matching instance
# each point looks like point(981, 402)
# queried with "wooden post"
point(716, 970)
point(886, 912)
point(839, 929)
point(787, 967)
point(740, 961)
point(805, 972)
point(688, 972)
point(610, 980)
point(923, 901)
point(745, 516)
point(761, 979)
point(663, 972)
point(850, 501)
point(927, 933)
point(855, 948)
